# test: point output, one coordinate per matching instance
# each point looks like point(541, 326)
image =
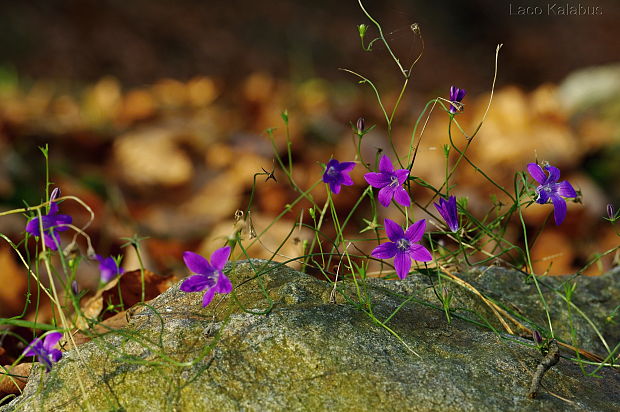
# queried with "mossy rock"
point(310, 353)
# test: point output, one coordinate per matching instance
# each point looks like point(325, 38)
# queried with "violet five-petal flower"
point(456, 95)
point(447, 210)
point(337, 174)
point(108, 268)
point(403, 246)
point(209, 275)
point(550, 189)
point(43, 349)
point(390, 182)
point(52, 223)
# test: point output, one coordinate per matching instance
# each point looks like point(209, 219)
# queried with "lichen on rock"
point(308, 353)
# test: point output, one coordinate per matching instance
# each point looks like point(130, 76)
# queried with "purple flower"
point(403, 246)
point(549, 188)
point(456, 95)
point(447, 209)
point(337, 174)
point(44, 349)
point(390, 182)
point(52, 223)
point(209, 275)
point(109, 268)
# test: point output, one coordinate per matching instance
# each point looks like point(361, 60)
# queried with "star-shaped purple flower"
point(52, 224)
point(208, 275)
point(390, 182)
point(44, 349)
point(456, 95)
point(109, 268)
point(403, 246)
point(447, 209)
point(549, 188)
point(337, 174)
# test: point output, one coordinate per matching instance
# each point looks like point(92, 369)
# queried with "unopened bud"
point(446, 150)
point(610, 211)
point(361, 125)
point(445, 293)
point(537, 338)
point(74, 287)
point(362, 30)
point(55, 194)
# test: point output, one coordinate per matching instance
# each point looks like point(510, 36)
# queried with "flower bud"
point(610, 211)
point(74, 287)
point(55, 194)
point(361, 125)
point(537, 338)
point(362, 30)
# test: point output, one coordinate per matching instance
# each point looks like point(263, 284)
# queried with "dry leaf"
point(552, 252)
point(201, 91)
point(14, 386)
point(137, 105)
point(151, 157)
point(117, 321)
point(13, 281)
point(130, 286)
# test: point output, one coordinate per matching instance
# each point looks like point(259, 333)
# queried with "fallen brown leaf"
point(13, 280)
point(129, 285)
point(15, 385)
point(80, 337)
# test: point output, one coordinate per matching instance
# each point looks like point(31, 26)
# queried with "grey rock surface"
point(309, 353)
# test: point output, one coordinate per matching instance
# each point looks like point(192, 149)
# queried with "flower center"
point(332, 172)
point(403, 245)
point(547, 189)
point(393, 181)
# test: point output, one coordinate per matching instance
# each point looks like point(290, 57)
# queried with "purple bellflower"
point(44, 349)
point(549, 188)
point(109, 268)
point(403, 246)
point(337, 174)
point(390, 182)
point(52, 223)
point(208, 275)
point(447, 209)
point(456, 95)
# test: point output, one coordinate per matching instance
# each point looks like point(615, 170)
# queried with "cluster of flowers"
point(52, 222)
point(403, 244)
point(48, 227)
point(209, 276)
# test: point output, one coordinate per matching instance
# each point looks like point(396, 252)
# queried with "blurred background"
point(155, 113)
